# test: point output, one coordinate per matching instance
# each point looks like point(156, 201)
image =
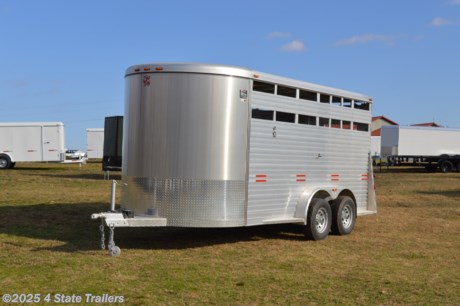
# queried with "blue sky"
point(65, 60)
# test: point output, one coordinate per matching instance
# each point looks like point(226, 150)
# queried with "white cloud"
point(365, 38)
point(440, 22)
point(279, 35)
point(294, 46)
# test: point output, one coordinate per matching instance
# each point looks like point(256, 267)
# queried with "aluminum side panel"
point(278, 165)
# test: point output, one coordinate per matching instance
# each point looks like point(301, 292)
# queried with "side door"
point(51, 144)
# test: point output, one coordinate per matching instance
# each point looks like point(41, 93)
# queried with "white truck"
point(95, 142)
point(31, 142)
point(432, 147)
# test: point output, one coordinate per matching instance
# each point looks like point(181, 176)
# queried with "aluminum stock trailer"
point(31, 142)
point(221, 146)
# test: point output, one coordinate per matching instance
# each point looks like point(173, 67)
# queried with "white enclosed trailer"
point(375, 145)
point(220, 146)
point(95, 142)
point(31, 142)
point(430, 146)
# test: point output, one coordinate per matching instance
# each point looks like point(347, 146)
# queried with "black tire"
point(12, 165)
point(343, 215)
point(446, 166)
point(5, 162)
point(458, 166)
point(319, 219)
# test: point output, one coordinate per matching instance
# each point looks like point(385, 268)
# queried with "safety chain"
point(111, 242)
point(101, 228)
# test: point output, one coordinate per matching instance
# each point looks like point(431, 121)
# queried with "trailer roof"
point(31, 123)
point(239, 72)
point(426, 128)
point(190, 67)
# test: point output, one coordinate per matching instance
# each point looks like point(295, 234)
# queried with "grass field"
point(409, 253)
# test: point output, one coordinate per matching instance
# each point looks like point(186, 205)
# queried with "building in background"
point(432, 124)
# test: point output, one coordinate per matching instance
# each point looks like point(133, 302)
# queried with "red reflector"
point(301, 178)
point(137, 70)
point(261, 178)
point(335, 177)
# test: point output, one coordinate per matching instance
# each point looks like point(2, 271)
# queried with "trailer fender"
point(327, 193)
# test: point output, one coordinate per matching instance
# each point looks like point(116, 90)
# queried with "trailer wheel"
point(319, 219)
point(343, 215)
point(5, 161)
point(446, 166)
point(115, 251)
point(458, 166)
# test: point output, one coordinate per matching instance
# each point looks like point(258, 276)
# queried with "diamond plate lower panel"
point(187, 203)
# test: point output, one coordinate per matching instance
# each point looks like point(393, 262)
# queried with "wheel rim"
point(347, 216)
point(446, 166)
point(321, 220)
point(2, 163)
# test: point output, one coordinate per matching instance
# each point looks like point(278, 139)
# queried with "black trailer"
point(113, 140)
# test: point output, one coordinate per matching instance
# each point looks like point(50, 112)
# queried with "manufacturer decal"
point(146, 80)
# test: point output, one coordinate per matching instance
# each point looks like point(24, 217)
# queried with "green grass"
point(406, 254)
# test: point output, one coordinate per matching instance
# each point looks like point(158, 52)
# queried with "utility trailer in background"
point(113, 141)
point(431, 147)
point(221, 146)
point(94, 142)
point(375, 145)
point(31, 142)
